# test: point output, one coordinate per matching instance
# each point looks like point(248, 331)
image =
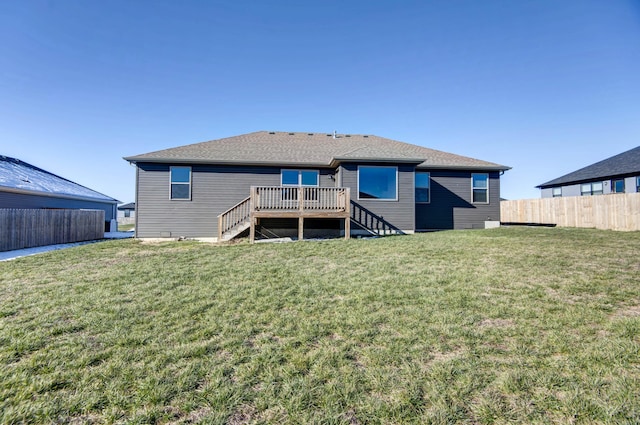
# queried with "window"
point(617, 186)
point(480, 188)
point(127, 213)
point(299, 177)
point(556, 192)
point(180, 183)
point(380, 183)
point(637, 184)
point(587, 189)
point(423, 185)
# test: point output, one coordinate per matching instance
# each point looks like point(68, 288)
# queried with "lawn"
point(126, 227)
point(511, 325)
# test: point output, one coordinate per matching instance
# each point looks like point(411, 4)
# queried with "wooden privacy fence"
point(618, 211)
point(30, 227)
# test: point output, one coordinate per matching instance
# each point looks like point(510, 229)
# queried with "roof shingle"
point(19, 175)
point(622, 164)
point(310, 149)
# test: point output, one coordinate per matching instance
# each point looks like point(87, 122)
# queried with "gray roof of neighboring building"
point(622, 164)
point(19, 176)
point(311, 150)
point(129, 206)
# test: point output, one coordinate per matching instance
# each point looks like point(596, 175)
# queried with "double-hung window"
point(587, 189)
point(423, 186)
point(617, 186)
point(557, 192)
point(180, 183)
point(480, 188)
point(378, 183)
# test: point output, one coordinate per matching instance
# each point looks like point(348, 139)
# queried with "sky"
point(545, 87)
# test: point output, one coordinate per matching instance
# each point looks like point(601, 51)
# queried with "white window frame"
point(553, 192)
point(487, 188)
point(171, 182)
point(428, 201)
point(377, 199)
point(299, 171)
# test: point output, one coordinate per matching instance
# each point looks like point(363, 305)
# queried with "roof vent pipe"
point(335, 133)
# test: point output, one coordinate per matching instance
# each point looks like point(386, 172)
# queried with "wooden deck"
point(286, 202)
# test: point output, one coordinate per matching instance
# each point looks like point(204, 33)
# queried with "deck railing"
point(312, 199)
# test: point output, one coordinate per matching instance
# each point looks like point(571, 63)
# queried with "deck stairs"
point(235, 220)
point(375, 224)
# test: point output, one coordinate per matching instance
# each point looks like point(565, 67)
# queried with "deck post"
point(347, 212)
point(347, 227)
point(300, 198)
point(252, 219)
point(220, 228)
point(300, 228)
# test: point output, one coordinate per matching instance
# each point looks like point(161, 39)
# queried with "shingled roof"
point(311, 150)
point(19, 176)
point(626, 163)
point(129, 206)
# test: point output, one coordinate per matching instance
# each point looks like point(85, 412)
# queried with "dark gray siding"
point(26, 201)
point(400, 213)
point(214, 190)
point(451, 206)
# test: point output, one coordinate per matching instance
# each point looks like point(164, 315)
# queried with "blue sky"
point(545, 86)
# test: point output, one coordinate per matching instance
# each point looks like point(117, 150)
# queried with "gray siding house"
point(306, 183)
point(618, 174)
point(25, 186)
point(127, 213)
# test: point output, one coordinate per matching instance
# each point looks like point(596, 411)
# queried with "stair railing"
point(234, 217)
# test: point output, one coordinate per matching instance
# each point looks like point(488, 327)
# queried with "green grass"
point(512, 325)
point(125, 227)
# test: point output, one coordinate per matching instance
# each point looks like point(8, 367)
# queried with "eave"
point(463, 167)
point(134, 160)
point(586, 180)
point(56, 195)
point(332, 164)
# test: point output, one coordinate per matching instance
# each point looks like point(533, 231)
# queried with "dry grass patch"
point(629, 311)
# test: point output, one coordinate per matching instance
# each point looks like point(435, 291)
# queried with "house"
point(281, 183)
point(25, 186)
point(127, 213)
point(618, 174)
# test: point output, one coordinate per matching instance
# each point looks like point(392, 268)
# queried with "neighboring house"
point(127, 213)
point(24, 186)
point(286, 183)
point(618, 174)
